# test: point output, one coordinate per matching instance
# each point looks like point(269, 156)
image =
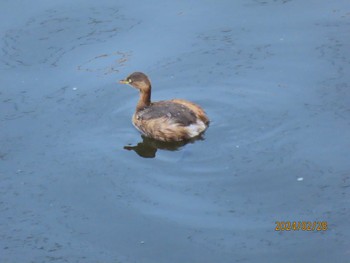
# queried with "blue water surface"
point(273, 76)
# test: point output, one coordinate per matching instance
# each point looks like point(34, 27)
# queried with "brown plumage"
point(171, 120)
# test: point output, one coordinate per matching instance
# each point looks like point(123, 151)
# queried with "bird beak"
point(123, 81)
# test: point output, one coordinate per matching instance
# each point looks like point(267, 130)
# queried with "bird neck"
point(144, 100)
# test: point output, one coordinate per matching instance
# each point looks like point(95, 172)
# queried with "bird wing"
point(175, 112)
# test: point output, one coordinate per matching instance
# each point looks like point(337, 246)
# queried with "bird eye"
point(129, 80)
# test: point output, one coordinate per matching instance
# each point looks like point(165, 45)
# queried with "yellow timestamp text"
point(301, 226)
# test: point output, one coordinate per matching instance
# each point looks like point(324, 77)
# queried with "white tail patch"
point(196, 128)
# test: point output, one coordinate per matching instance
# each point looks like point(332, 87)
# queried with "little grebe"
point(171, 120)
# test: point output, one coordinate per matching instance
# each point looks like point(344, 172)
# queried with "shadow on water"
point(148, 147)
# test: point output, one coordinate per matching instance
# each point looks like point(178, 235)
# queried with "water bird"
point(169, 120)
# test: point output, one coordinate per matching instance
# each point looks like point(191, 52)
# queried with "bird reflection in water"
point(148, 147)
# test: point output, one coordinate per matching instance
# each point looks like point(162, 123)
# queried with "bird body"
point(171, 120)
